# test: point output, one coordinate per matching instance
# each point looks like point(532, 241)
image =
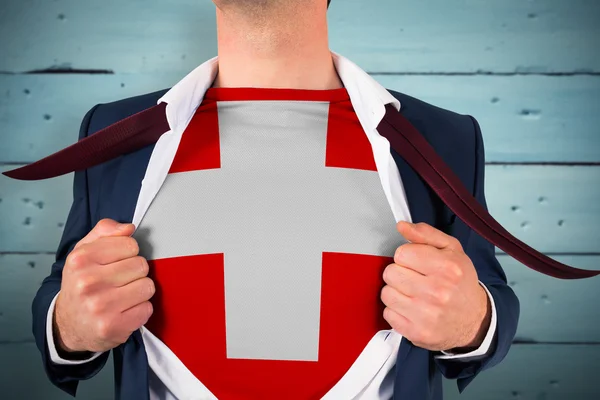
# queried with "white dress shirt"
point(169, 379)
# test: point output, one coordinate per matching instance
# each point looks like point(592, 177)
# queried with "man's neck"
point(282, 48)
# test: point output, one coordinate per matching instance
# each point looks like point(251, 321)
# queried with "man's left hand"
point(433, 296)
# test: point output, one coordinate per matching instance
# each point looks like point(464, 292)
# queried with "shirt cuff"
point(54, 357)
point(487, 341)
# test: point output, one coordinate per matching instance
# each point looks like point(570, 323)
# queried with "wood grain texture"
point(40, 114)
point(523, 118)
point(553, 208)
point(383, 36)
point(33, 213)
point(552, 310)
point(553, 373)
point(555, 310)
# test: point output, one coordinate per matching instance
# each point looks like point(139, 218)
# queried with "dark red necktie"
point(146, 127)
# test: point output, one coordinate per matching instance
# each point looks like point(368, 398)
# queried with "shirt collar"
point(367, 96)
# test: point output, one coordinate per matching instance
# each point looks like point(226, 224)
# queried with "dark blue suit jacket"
point(110, 190)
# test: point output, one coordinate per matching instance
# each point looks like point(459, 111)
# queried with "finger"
point(133, 293)
point(398, 322)
point(420, 258)
point(398, 302)
point(125, 271)
point(106, 227)
point(133, 318)
point(110, 249)
point(404, 280)
point(423, 233)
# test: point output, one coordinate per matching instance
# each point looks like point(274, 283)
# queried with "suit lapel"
point(120, 183)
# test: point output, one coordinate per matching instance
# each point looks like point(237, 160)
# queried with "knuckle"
point(450, 266)
point(455, 243)
point(152, 287)
point(458, 273)
point(94, 305)
point(449, 263)
point(132, 245)
point(453, 269)
point(68, 262)
point(388, 273)
point(392, 320)
point(387, 295)
point(142, 314)
point(399, 253)
point(150, 309)
point(77, 257)
point(104, 223)
point(148, 287)
point(103, 328)
point(83, 284)
point(404, 252)
point(408, 248)
point(442, 295)
point(387, 315)
point(143, 265)
point(382, 295)
point(147, 312)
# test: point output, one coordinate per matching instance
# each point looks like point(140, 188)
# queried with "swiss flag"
point(189, 305)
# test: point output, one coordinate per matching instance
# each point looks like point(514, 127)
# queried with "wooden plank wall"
point(529, 71)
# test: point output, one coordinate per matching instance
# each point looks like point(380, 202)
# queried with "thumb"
point(423, 233)
point(107, 227)
point(408, 232)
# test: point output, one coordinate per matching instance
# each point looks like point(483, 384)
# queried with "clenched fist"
point(433, 295)
point(104, 292)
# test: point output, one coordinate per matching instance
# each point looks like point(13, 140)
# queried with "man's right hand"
point(104, 292)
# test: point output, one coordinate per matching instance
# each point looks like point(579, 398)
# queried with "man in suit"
point(190, 259)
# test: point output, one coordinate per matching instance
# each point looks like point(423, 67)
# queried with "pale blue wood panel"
point(468, 36)
point(552, 310)
point(553, 208)
point(22, 377)
point(40, 114)
point(33, 213)
point(523, 118)
point(529, 372)
point(537, 372)
point(533, 118)
point(556, 310)
point(123, 36)
point(387, 35)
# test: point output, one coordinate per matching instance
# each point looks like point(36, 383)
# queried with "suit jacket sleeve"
point(66, 377)
point(491, 274)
